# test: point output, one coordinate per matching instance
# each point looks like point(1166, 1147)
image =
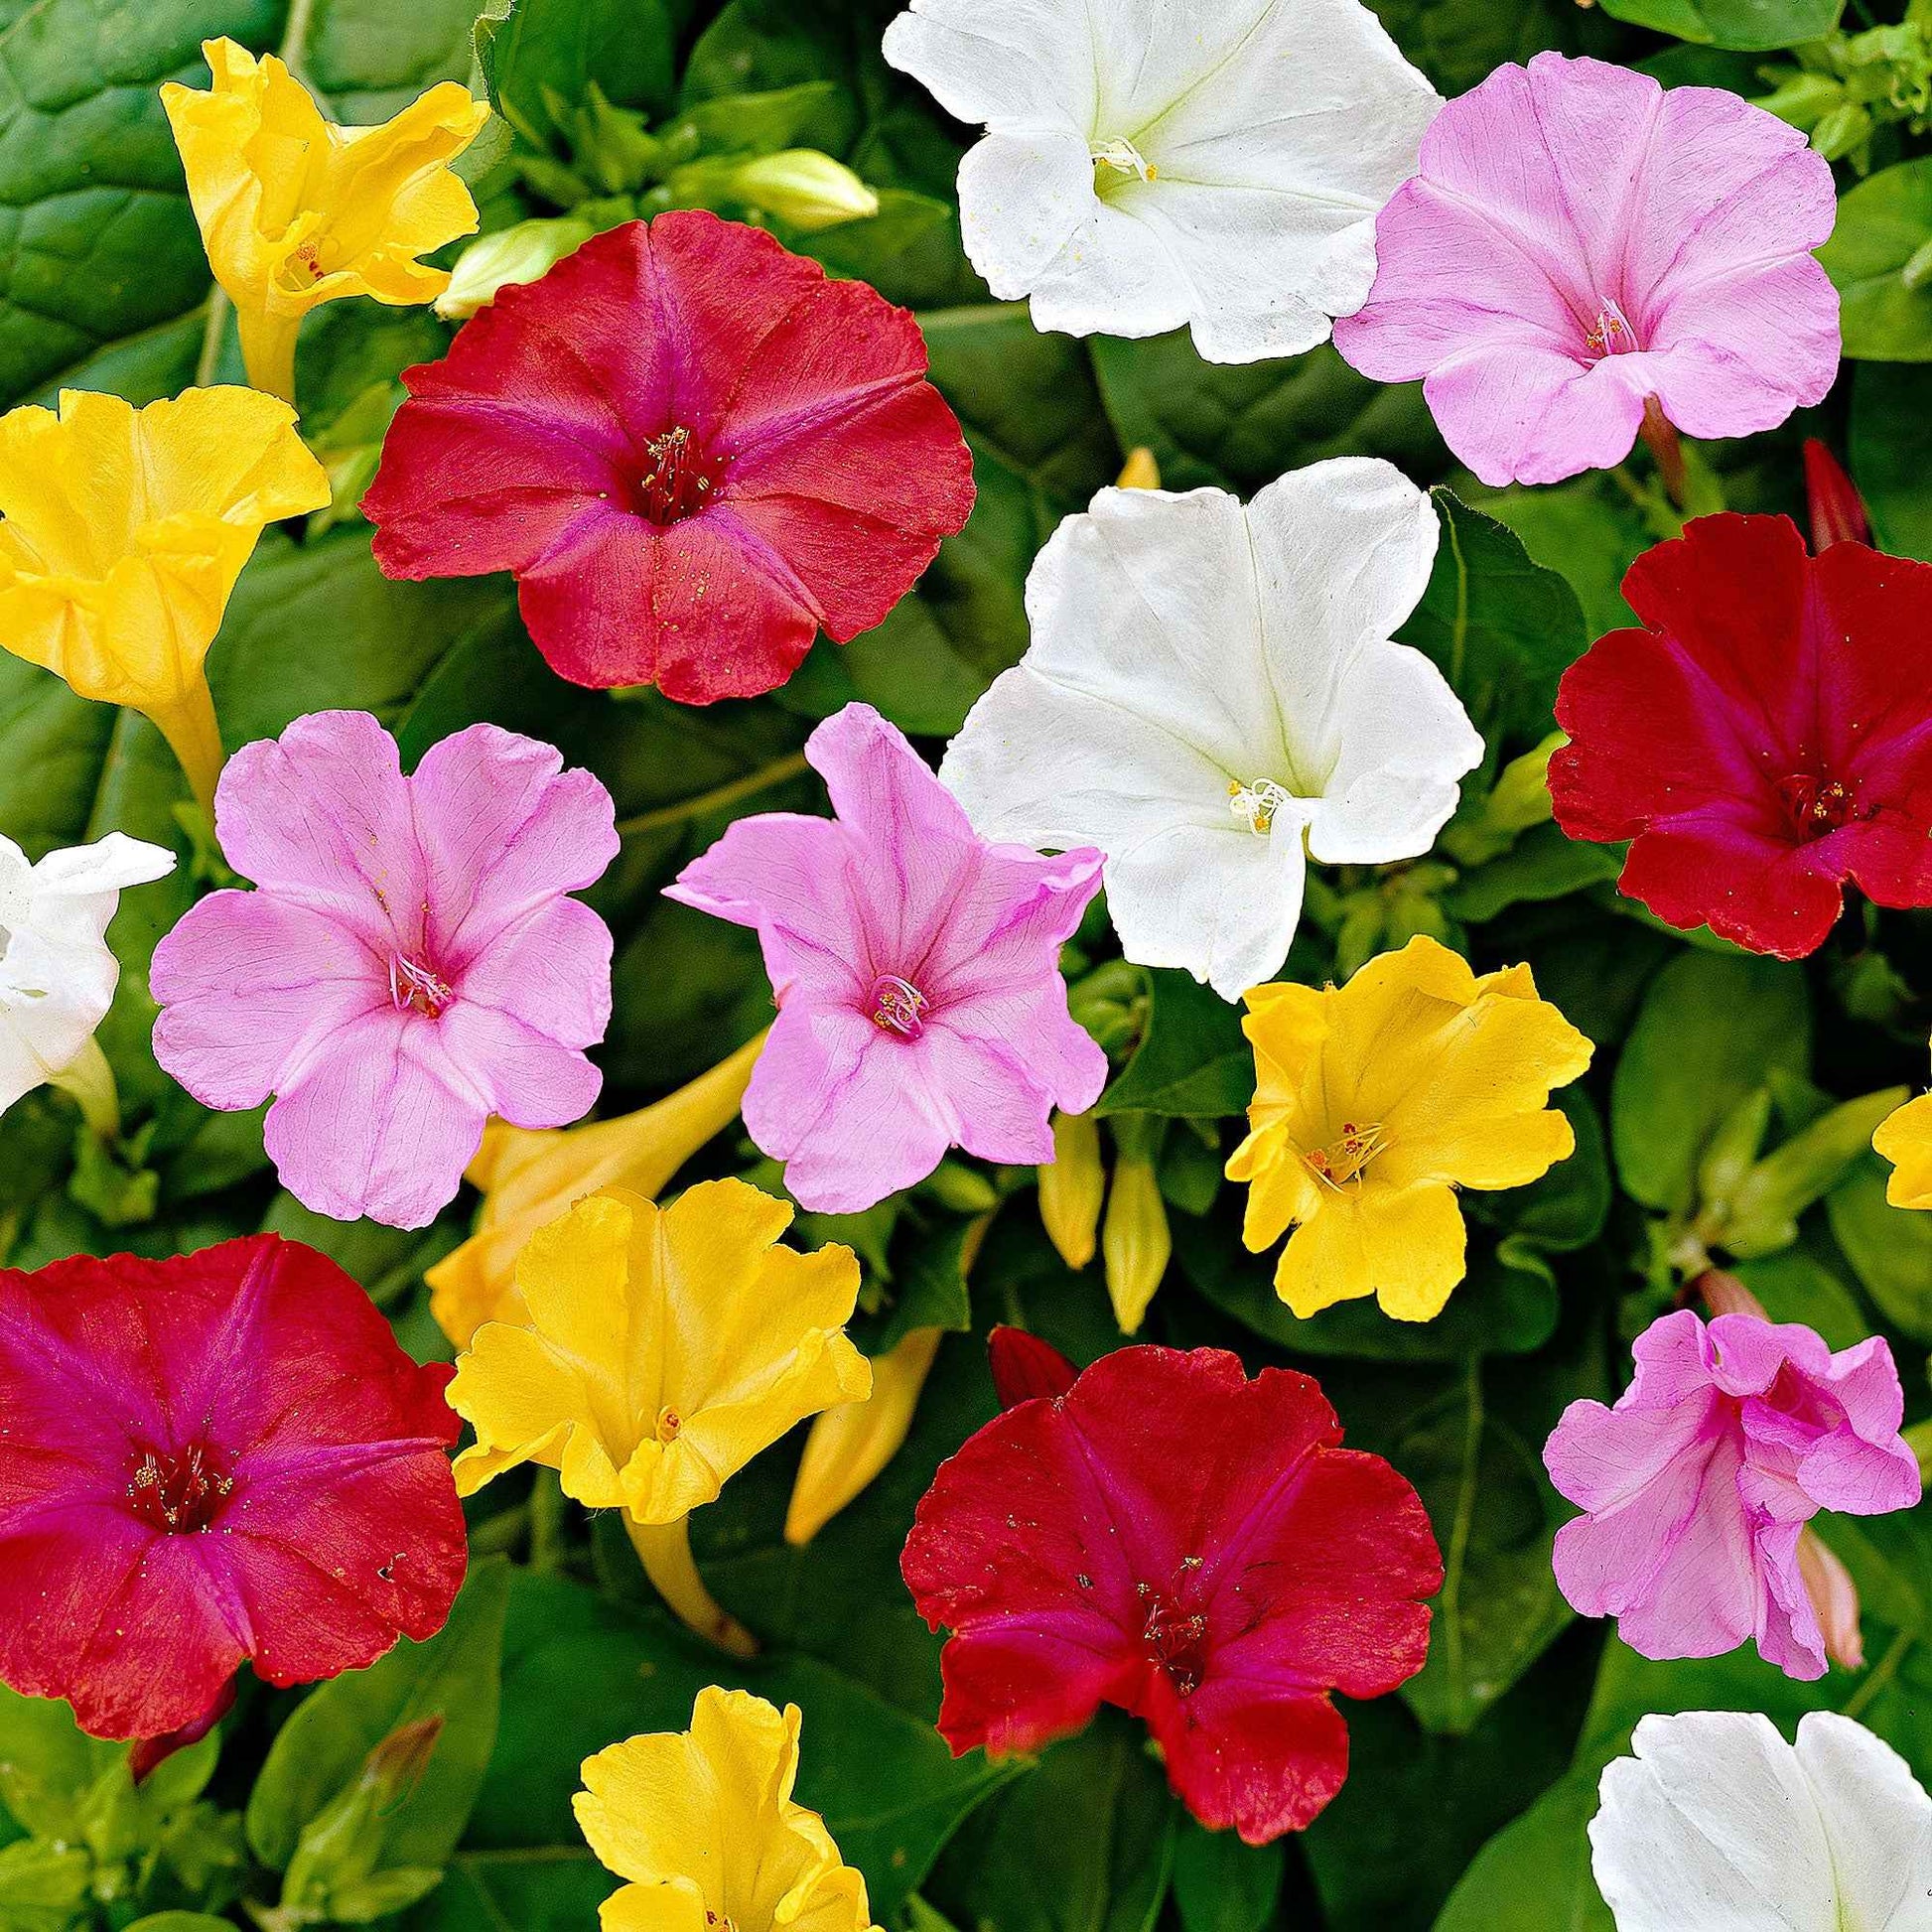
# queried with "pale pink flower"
point(916, 971)
point(408, 965)
point(1699, 1483)
point(1577, 241)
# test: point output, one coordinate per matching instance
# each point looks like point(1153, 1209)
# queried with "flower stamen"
point(1346, 1157)
point(1124, 158)
point(1256, 803)
point(1611, 334)
point(415, 989)
point(897, 1005)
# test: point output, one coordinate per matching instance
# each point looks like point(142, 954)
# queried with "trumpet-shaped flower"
point(531, 1176)
point(1905, 1137)
point(693, 450)
point(57, 974)
point(917, 970)
point(1714, 1824)
point(703, 1826)
point(1762, 738)
point(408, 964)
point(122, 532)
point(1576, 242)
point(1196, 1548)
point(1696, 1487)
point(296, 211)
point(659, 1352)
point(1375, 1101)
point(1219, 167)
point(1211, 695)
point(215, 1458)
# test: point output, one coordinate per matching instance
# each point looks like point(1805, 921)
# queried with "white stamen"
point(1125, 156)
point(1256, 804)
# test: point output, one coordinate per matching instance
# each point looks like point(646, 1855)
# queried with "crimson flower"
point(1172, 1538)
point(217, 1458)
point(1763, 739)
point(692, 449)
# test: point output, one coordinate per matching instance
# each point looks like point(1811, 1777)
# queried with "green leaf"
point(1746, 26)
point(1239, 426)
point(181, 1922)
point(369, 59)
point(1762, 1215)
point(48, 1763)
point(1896, 484)
point(1534, 1876)
point(1874, 257)
point(1501, 628)
point(43, 1885)
point(1889, 1248)
point(547, 49)
point(1457, 43)
point(1711, 1028)
point(324, 1746)
point(1795, 1287)
point(1223, 1886)
point(1544, 864)
point(1193, 1058)
point(548, 1888)
point(1085, 1840)
point(1586, 531)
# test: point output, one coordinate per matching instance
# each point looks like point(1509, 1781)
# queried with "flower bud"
point(1838, 513)
point(1135, 1242)
point(1071, 1188)
point(798, 185)
point(1834, 1597)
point(1139, 471)
point(511, 256)
point(1024, 1368)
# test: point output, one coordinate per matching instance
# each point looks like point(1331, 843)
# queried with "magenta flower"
point(915, 967)
point(1578, 240)
point(1698, 1482)
point(409, 964)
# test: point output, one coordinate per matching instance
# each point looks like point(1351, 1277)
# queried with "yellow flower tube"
point(657, 1351)
point(531, 1176)
point(296, 211)
point(703, 1826)
point(124, 531)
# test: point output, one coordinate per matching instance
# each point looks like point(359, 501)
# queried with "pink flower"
point(408, 966)
point(1577, 241)
point(1700, 1481)
point(916, 966)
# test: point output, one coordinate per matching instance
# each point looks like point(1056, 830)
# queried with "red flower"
point(691, 448)
point(1764, 740)
point(215, 1458)
point(1191, 1546)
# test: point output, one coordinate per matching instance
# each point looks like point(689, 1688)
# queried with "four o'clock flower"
point(1375, 1101)
point(1714, 1824)
point(1170, 1537)
point(1698, 1484)
point(57, 974)
point(1762, 738)
point(703, 1824)
point(410, 963)
point(218, 1458)
point(1214, 166)
point(692, 449)
point(917, 970)
point(296, 211)
point(1578, 241)
point(1211, 695)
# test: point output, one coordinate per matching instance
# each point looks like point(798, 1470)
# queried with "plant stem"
point(1660, 434)
point(716, 799)
point(90, 1081)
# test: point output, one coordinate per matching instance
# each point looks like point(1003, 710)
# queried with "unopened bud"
point(1725, 1293)
point(1025, 1368)
point(1071, 1188)
point(799, 186)
point(1135, 1241)
point(1834, 1599)
point(1139, 471)
point(1838, 513)
point(507, 258)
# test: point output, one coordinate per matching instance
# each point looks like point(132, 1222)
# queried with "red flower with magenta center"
point(217, 1457)
point(1196, 1548)
point(693, 450)
point(1765, 738)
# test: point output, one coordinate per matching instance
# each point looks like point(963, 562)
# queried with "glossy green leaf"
point(1889, 1248)
point(1193, 1059)
point(1750, 26)
point(1876, 257)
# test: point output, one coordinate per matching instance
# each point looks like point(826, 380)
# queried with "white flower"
point(1717, 1825)
point(1220, 163)
point(1209, 686)
point(57, 974)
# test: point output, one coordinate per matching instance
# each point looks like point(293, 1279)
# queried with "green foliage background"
point(1714, 1119)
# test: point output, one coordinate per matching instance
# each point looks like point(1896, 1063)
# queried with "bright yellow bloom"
point(659, 1352)
point(124, 532)
point(531, 1176)
point(1375, 1101)
point(296, 211)
point(703, 1824)
point(1905, 1137)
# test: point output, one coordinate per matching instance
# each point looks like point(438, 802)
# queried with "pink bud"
point(1024, 1368)
point(1835, 1597)
point(1726, 1295)
point(1838, 512)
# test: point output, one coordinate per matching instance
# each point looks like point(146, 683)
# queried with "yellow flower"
point(659, 1352)
point(703, 1824)
point(1905, 1137)
point(531, 1176)
point(295, 211)
point(1375, 1101)
point(124, 532)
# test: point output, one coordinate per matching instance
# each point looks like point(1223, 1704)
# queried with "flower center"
point(679, 479)
point(1173, 1638)
point(669, 1424)
point(1117, 161)
point(897, 1006)
point(1256, 803)
point(1611, 334)
point(1345, 1160)
point(178, 1491)
point(1817, 805)
point(413, 988)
